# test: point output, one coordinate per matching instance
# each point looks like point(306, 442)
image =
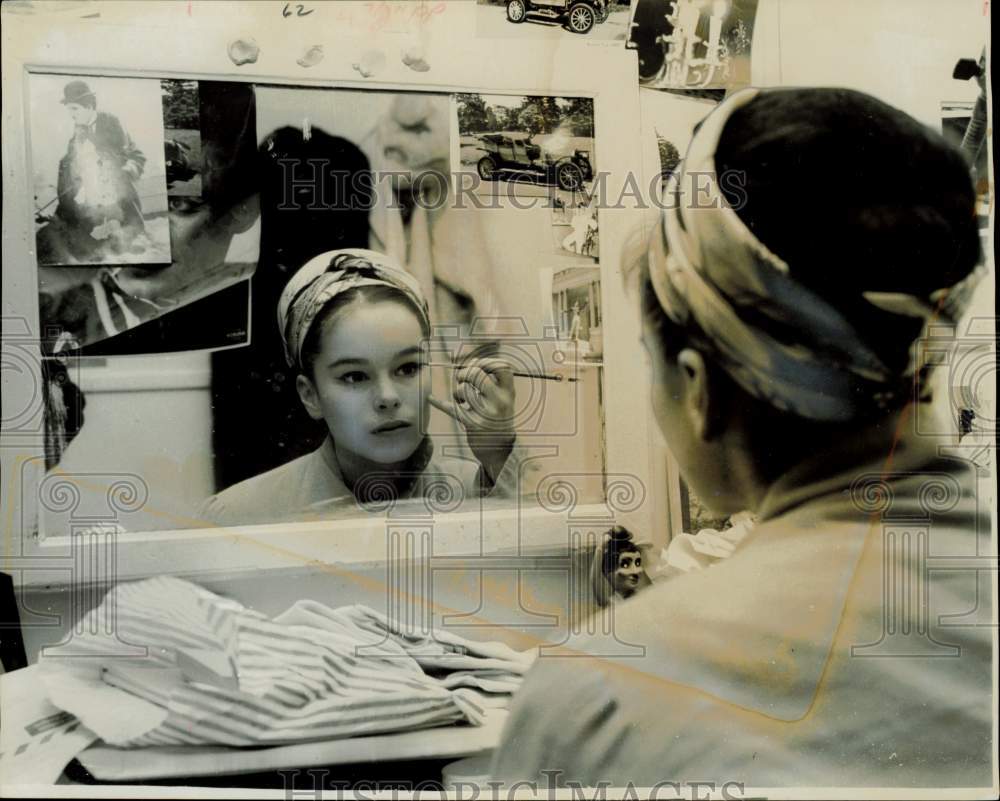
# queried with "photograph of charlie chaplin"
point(100, 190)
point(199, 298)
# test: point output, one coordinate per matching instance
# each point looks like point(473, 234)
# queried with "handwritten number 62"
point(301, 10)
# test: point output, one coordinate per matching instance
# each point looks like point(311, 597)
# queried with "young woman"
point(354, 326)
point(780, 325)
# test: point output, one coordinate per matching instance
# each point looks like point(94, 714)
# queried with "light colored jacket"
point(312, 487)
point(826, 651)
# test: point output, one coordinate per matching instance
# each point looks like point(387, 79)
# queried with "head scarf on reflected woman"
point(330, 274)
point(779, 340)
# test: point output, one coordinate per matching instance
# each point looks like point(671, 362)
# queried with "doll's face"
point(628, 573)
point(366, 382)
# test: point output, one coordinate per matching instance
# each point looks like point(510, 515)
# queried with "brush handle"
point(519, 374)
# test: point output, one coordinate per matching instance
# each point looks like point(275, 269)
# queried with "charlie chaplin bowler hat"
point(75, 92)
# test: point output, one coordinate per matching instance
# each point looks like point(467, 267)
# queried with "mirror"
point(166, 314)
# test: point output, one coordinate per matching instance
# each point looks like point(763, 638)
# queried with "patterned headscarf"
point(329, 274)
point(779, 340)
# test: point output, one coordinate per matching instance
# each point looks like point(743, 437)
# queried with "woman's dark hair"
point(855, 196)
point(372, 293)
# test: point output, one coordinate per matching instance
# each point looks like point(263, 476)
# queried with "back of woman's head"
point(846, 226)
point(855, 196)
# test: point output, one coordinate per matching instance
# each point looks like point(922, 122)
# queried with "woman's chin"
point(392, 453)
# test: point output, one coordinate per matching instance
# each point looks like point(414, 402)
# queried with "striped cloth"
point(211, 671)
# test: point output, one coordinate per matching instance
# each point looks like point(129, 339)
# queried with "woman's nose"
point(386, 396)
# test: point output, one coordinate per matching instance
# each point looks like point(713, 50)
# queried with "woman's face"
point(679, 415)
point(680, 396)
point(367, 381)
point(664, 389)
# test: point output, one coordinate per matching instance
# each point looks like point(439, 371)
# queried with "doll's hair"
point(620, 542)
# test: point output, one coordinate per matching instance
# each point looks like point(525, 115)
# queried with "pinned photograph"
point(537, 147)
point(964, 123)
point(182, 137)
point(178, 267)
point(693, 45)
point(100, 194)
point(575, 298)
point(574, 224)
point(541, 19)
point(668, 122)
point(534, 143)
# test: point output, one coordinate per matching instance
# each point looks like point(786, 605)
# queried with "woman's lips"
point(388, 428)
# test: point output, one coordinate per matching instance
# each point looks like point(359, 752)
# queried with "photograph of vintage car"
point(596, 19)
point(580, 16)
point(535, 142)
point(509, 154)
point(535, 155)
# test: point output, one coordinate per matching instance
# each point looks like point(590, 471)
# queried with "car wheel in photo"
point(569, 177)
point(487, 169)
point(515, 11)
point(581, 18)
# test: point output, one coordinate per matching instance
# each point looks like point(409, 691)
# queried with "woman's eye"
point(409, 369)
point(353, 377)
point(184, 205)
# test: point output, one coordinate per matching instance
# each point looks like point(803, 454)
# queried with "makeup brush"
point(520, 374)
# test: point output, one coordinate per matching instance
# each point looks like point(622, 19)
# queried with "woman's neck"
point(805, 453)
point(354, 467)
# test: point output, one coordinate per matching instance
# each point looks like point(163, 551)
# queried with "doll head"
point(622, 562)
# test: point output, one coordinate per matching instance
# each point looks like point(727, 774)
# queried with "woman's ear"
point(695, 397)
point(309, 396)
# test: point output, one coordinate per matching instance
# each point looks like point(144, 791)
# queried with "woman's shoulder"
point(280, 493)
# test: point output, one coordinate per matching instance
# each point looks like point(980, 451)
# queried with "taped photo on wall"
point(693, 45)
point(530, 153)
point(585, 20)
point(668, 123)
point(182, 137)
point(201, 170)
point(98, 169)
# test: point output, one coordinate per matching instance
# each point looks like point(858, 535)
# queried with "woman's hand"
point(484, 403)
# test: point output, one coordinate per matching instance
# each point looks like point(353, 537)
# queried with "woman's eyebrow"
point(414, 349)
point(342, 362)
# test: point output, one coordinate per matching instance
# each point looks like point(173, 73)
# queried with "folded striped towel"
point(183, 666)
